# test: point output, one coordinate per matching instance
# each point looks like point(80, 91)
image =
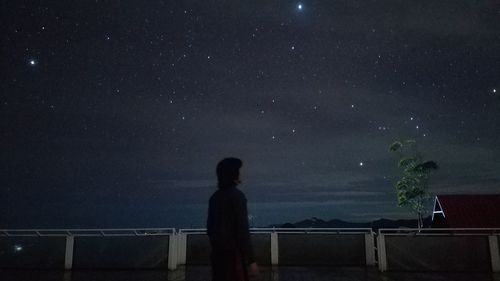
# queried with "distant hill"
point(336, 223)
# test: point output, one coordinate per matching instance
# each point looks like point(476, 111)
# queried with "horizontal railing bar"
point(171, 231)
point(87, 229)
point(285, 232)
point(84, 229)
point(440, 231)
point(81, 235)
point(436, 229)
point(438, 234)
point(88, 232)
point(291, 230)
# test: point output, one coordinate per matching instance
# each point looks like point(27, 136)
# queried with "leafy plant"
point(411, 188)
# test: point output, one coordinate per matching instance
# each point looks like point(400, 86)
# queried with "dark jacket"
point(227, 228)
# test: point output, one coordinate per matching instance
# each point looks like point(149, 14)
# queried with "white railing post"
point(274, 248)
point(181, 248)
point(68, 257)
point(495, 257)
point(172, 251)
point(369, 249)
point(382, 256)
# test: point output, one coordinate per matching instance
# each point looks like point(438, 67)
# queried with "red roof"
point(469, 211)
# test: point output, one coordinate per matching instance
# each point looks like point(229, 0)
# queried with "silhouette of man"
point(227, 227)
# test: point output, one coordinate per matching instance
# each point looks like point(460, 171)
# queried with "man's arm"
point(242, 229)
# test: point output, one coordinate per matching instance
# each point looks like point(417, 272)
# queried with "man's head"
point(228, 172)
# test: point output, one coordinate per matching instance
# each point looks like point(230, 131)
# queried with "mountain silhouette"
point(337, 223)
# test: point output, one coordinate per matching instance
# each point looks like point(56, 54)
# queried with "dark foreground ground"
point(202, 273)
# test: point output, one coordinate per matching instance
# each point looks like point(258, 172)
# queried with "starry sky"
point(115, 113)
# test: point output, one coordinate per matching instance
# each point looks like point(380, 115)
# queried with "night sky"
point(115, 113)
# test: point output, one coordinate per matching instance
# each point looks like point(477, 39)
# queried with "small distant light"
point(494, 90)
point(18, 248)
point(361, 164)
point(32, 62)
point(299, 6)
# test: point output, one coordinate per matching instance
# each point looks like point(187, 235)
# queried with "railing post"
point(181, 248)
point(274, 248)
point(68, 257)
point(495, 257)
point(172, 251)
point(382, 256)
point(369, 249)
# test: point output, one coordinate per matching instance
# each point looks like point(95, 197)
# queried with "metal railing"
point(177, 239)
point(70, 234)
point(491, 233)
point(274, 233)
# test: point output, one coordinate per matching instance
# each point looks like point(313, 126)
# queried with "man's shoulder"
point(231, 193)
point(215, 195)
point(239, 194)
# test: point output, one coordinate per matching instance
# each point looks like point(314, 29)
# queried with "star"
point(361, 164)
point(494, 91)
point(32, 62)
point(299, 6)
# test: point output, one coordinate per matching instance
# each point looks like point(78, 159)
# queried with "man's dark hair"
point(228, 171)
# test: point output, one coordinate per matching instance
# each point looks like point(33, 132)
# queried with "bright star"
point(361, 164)
point(32, 62)
point(494, 90)
point(299, 6)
